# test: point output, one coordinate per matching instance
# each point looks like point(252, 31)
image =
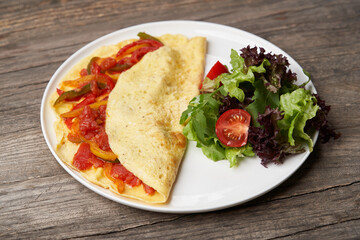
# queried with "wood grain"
point(39, 200)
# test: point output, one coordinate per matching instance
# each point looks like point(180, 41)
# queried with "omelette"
point(138, 147)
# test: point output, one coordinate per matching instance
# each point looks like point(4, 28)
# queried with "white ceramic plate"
point(201, 185)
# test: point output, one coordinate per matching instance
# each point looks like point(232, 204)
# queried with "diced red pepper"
point(109, 81)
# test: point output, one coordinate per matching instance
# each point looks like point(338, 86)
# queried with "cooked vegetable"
point(106, 155)
point(120, 67)
point(143, 35)
point(90, 65)
point(131, 47)
point(76, 112)
point(72, 94)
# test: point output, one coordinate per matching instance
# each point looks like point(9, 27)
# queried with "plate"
point(201, 185)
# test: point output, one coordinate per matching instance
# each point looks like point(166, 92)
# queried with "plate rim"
point(134, 203)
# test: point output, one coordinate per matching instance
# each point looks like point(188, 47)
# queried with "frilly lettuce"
point(298, 107)
point(263, 85)
point(200, 119)
point(240, 74)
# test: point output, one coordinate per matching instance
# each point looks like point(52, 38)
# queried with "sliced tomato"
point(74, 138)
point(120, 184)
point(118, 171)
point(82, 156)
point(97, 162)
point(216, 70)
point(149, 190)
point(232, 127)
point(68, 122)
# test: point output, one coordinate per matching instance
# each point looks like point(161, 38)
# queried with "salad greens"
point(240, 73)
point(282, 112)
point(298, 107)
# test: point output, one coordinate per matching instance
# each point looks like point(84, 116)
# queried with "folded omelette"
point(142, 115)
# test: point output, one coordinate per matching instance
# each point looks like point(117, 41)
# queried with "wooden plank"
point(38, 199)
point(105, 219)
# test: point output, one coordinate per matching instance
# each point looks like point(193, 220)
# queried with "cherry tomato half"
point(232, 127)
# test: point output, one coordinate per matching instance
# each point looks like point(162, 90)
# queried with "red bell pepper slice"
point(72, 94)
point(83, 72)
point(149, 42)
point(89, 99)
point(93, 67)
point(59, 91)
point(139, 53)
point(107, 63)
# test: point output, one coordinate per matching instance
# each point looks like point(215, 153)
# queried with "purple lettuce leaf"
point(320, 122)
point(266, 140)
point(277, 72)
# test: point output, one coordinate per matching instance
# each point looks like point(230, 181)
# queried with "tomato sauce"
point(88, 128)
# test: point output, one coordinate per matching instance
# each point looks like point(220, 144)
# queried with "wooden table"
point(38, 199)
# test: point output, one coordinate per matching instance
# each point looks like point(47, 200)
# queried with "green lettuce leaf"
point(201, 117)
point(234, 155)
point(212, 150)
point(262, 98)
point(209, 85)
point(239, 74)
point(202, 114)
point(298, 107)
